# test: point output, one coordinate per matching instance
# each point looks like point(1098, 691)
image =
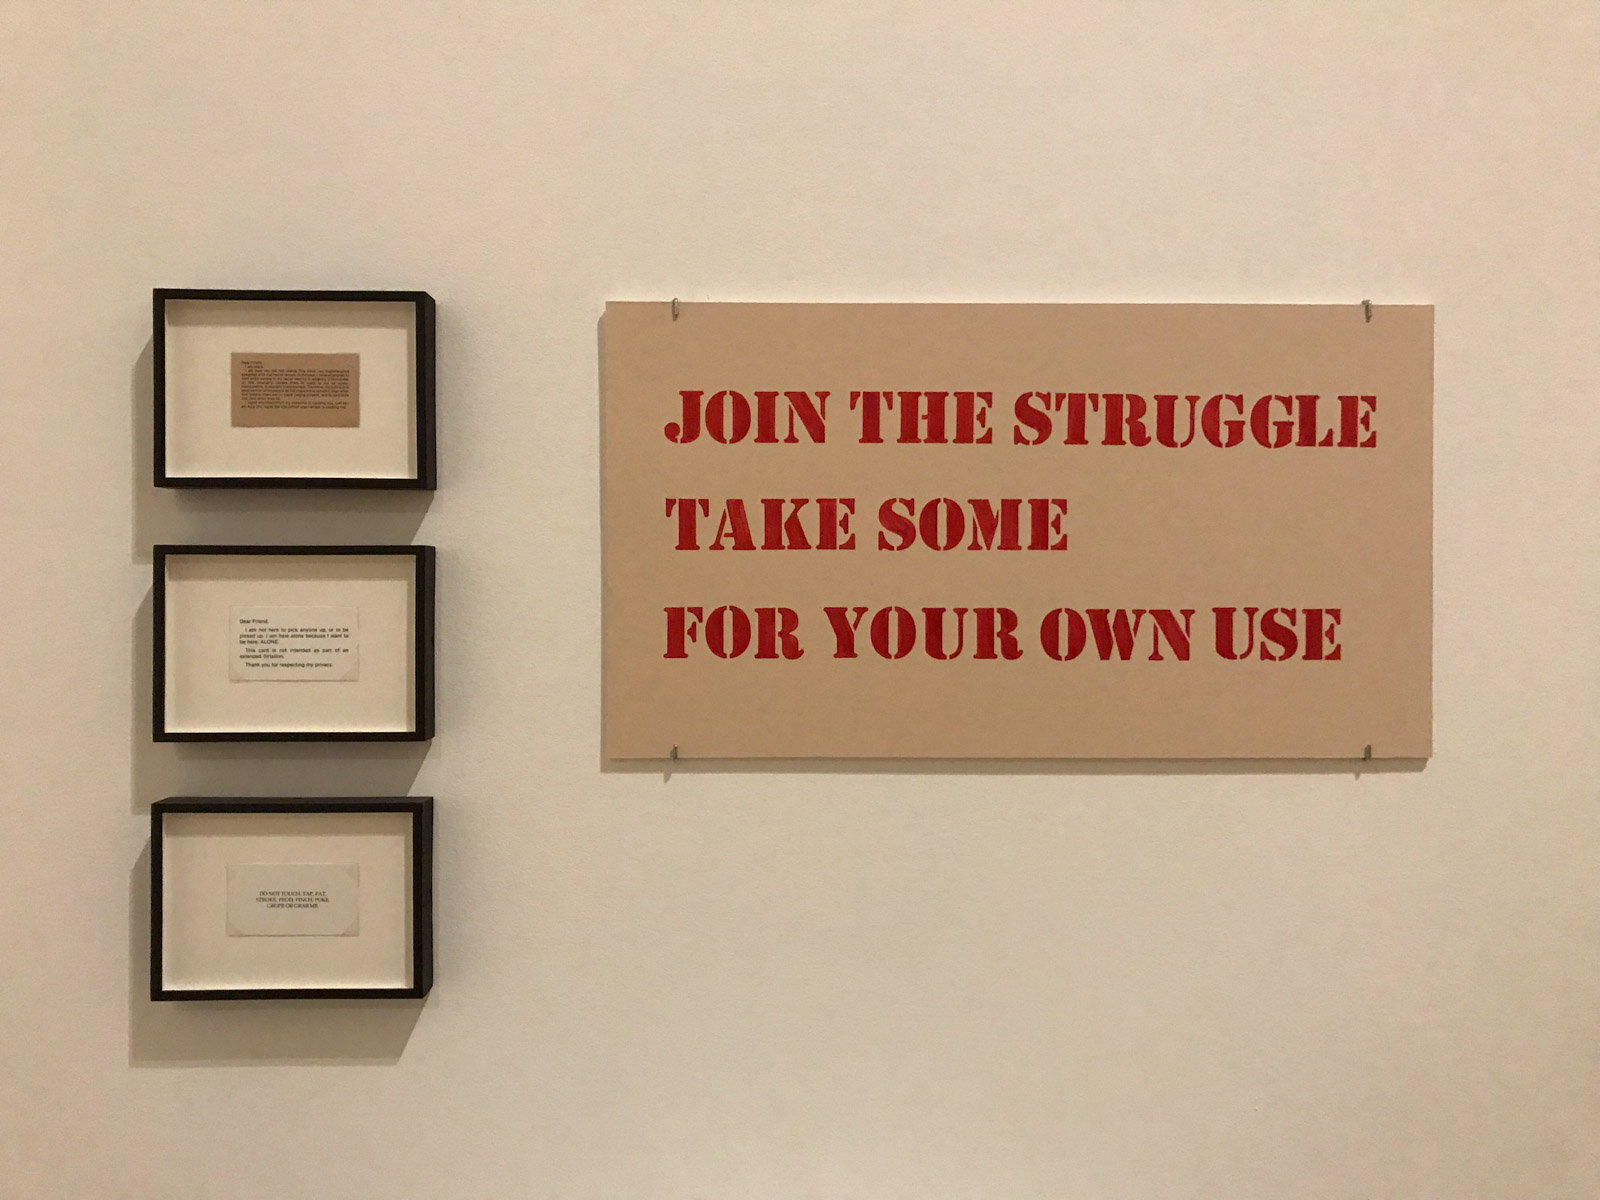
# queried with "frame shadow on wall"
point(233, 1032)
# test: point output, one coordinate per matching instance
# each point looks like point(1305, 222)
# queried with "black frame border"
point(427, 476)
point(421, 810)
point(423, 639)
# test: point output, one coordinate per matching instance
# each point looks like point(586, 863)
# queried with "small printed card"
point(300, 642)
point(296, 391)
point(294, 900)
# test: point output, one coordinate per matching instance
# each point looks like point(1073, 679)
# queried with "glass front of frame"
point(292, 645)
point(307, 391)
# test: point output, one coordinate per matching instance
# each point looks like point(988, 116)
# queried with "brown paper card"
point(305, 391)
point(1315, 553)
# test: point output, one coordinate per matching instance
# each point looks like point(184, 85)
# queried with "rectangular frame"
point(423, 647)
point(420, 809)
point(426, 477)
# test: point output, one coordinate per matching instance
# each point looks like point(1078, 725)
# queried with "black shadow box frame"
point(422, 640)
point(427, 476)
point(420, 809)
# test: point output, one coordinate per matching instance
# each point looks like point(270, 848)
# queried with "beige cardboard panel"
point(1149, 527)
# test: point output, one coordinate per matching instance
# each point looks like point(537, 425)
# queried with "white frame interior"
point(202, 589)
point(197, 848)
point(202, 335)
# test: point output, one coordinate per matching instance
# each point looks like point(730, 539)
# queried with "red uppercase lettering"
point(734, 523)
point(776, 630)
point(1125, 419)
point(904, 632)
point(1355, 419)
point(844, 628)
point(1114, 633)
point(1282, 634)
point(1307, 431)
point(941, 523)
point(986, 523)
point(833, 517)
point(1078, 404)
point(1029, 413)
point(896, 523)
point(1271, 421)
point(784, 532)
point(681, 631)
point(727, 417)
point(786, 524)
point(997, 630)
point(1227, 645)
point(1064, 633)
point(687, 429)
point(1322, 635)
point(1277, 627)
point(894, 632)
point(1223, 434)
point(972, 414)
point(872, 407)
point(1043, 523)
point(1166, 626)
point(688, 510)
point(811, 416)
point(954, 525)
point(919, 407)
point(933, 619)
point(728, 631)
point(1050, 634)
point(924, 417)
point(1167, 421)
point(767, 418)
point(1270, 434)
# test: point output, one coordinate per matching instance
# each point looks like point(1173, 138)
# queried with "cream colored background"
point(203, 590)
point(1028, 983)
point(201, 437)
point(199, 849)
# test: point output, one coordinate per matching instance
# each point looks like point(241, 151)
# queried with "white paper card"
point(299, 642)
point(294, 899)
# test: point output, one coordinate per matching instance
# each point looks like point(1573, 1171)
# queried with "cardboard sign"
point(1017, 531)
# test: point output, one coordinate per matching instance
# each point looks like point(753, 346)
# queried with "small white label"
point(294, 899)
point(293, 642)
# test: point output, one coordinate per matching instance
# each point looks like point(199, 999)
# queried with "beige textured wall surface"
point(862, 980)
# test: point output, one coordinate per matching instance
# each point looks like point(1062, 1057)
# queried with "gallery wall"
point(834, 979)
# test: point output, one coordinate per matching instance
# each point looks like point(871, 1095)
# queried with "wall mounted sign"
point(1017, 531)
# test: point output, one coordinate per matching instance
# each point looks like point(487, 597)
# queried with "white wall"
point(878, 981)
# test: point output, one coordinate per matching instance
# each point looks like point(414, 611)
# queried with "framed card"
point(292, 643)
point(256, 899)
point(289, 389)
